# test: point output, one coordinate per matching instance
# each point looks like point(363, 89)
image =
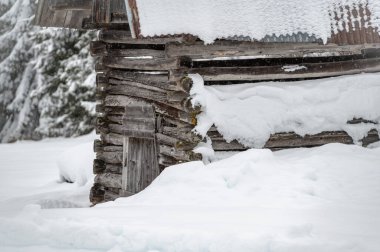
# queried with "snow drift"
point(250, 113)
point(75, 164)
point(321, 199)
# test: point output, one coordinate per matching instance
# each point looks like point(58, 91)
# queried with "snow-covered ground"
point(320, 199)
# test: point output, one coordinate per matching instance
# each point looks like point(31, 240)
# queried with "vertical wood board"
point(140, 158)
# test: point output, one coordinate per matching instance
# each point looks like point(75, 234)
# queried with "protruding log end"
point(97, 194)
point(185, 84)
point(99, 166)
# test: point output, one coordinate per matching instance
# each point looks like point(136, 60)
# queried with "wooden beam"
point(228, 49)
point(292, 140)
point(133, 18)
point(100, 167)
point(55, 5)
point(108, 180)
point(152, 79)
point(141, 64)
point(100, 48)
point(131, 89)
point(139, 122)
point(125, 37)
point(110, 157)
point(264, 73)
point(97, 194)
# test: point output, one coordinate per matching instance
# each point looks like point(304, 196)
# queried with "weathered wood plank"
point(137, 92)
point(142, 167)
point(133, 17)
point(101, 166)
point(179, 154)
point(183, 112)
point(166, 161)
point(100, 48)
point(171, 110)
point(263, 73)
point(292, 140)
point(110, 157)
point(110, 195)
point(125, 37)
point(229, 49)
point(99, 146)
point(99, 67)
point(151, 92)
point(108, 180)
point(140, 164)
point(147, 78)
point(97, 194)
point(178, 144)
point(184, 134)
point(139, 121)
point(141, 64)
point(154, 81)
point(112, 138)
point(121, 101)
point(136, 53)
point(101, 82)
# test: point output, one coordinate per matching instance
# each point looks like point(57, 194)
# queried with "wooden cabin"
point(145, 116)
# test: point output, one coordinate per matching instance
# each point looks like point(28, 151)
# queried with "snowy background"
point(46, 81)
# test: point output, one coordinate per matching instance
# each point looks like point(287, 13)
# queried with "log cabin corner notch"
point(145, 116)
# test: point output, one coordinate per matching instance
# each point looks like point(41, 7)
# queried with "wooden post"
point(140, 157)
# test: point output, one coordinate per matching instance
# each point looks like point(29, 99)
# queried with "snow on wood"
point(259, 19)
point(250, 113)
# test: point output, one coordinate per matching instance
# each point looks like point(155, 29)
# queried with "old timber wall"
point(153, 71)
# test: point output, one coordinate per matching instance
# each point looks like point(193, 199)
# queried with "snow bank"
point(250, 113)
point(304, 178)
point(321, 199)
point(75, 164)
point(29, 174)
point(256, 19)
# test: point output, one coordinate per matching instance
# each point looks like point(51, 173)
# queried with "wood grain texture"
point(264, 73)
point(140, 164)
point(292, 140)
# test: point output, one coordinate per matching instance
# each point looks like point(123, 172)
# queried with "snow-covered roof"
point(256, 19)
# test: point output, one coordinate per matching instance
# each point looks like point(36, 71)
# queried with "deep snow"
point(320, 199)
point(257, 110)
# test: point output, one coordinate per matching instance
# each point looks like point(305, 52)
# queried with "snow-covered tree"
point(46, 77)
